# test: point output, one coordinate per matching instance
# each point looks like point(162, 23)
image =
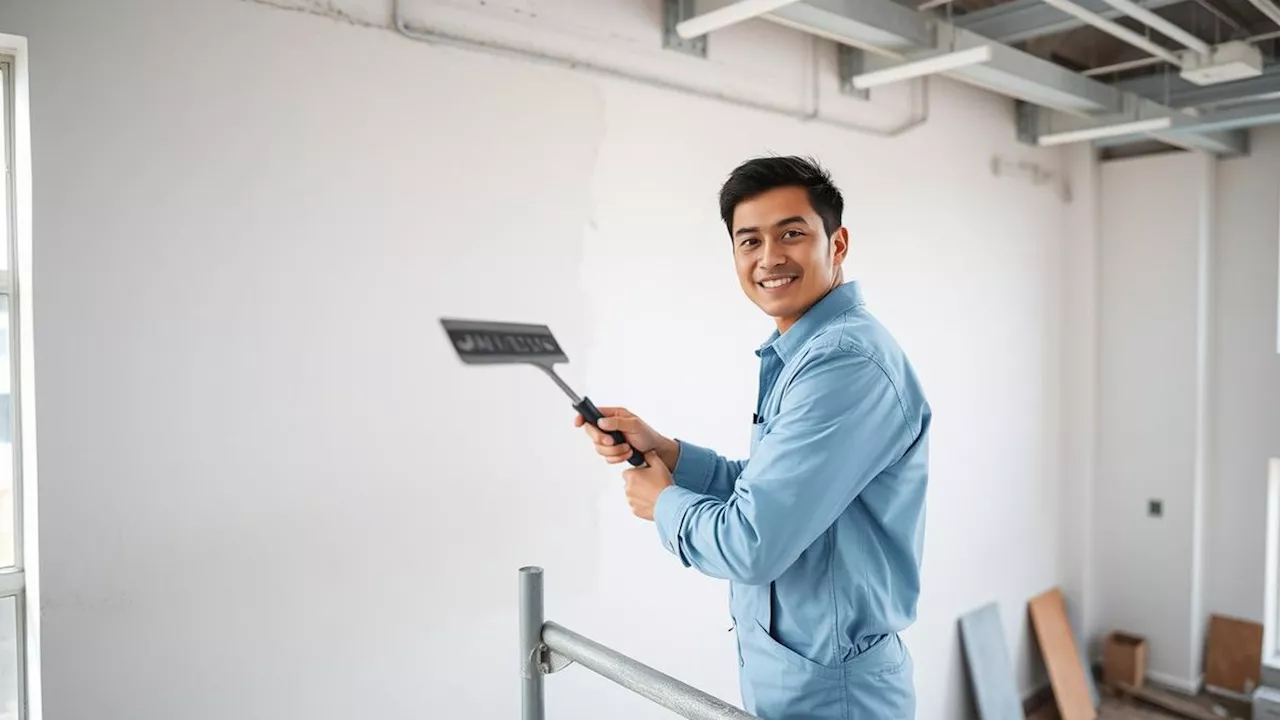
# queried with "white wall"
point(1151, 287)
point(1185, 415)
point(1246, 374)
point(269, 489)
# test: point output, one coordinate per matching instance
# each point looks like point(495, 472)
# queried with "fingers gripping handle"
point(592, 414)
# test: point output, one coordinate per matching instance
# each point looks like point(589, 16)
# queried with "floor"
point(1118, 707)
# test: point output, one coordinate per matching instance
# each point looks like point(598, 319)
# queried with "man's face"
point(785, 260)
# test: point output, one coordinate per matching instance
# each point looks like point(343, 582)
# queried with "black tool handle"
point(592, 414)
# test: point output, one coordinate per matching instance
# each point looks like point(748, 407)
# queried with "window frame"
point(1271, 612)
point(19, 581)
point(13, 579)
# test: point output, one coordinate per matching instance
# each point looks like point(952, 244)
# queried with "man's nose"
point(772, 255)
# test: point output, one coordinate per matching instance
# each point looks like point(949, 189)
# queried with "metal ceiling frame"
point(1054, 99)
point(1022, 20)
point(1178, 93)
point(1160, 25)
point(1116, 30)
point(1268, 8)
point(1235, 119)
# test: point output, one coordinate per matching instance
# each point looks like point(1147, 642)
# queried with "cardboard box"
point(1125, 660)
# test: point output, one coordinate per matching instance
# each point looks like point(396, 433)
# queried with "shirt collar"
point(839, 300)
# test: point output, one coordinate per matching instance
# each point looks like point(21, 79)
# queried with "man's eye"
point(792, 233)
point(749, 241)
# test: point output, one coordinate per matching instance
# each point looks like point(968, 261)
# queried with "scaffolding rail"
point(546, 647)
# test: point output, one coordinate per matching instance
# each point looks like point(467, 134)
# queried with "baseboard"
point(1190, 687)
point(1228, 693)
point(1043, 695)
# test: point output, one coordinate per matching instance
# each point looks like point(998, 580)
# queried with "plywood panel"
point(1234, 660)
point(1061, 656)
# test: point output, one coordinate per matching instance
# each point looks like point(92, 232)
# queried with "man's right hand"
point(638, 435)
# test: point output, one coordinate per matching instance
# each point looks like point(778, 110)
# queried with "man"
point(820, 531)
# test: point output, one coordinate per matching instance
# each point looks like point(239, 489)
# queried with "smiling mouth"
point(775, 283)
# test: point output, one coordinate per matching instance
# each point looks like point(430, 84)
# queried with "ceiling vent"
point(1227, 62)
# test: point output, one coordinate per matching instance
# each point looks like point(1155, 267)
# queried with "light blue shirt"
point(820, 532)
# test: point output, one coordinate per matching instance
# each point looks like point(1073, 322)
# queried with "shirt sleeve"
point(840, 424)
point(705, 472)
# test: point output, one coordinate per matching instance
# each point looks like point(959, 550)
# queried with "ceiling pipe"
point(1121, 66)
point(1118, 30)
point(493, 46)
point(1159, 24)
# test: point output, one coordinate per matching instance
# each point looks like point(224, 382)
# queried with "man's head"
point(783, 215)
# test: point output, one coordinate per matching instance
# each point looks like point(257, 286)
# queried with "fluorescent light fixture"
point(927, 66)
point(732, 14)
point(1104, 131)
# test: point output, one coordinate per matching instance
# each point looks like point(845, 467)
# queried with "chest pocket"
point(757, 434)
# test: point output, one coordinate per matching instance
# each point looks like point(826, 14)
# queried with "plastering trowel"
point(482, 342)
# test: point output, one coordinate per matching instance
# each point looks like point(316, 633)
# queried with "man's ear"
point(840, 242)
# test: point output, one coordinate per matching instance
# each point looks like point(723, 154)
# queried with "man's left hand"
point(643, 485)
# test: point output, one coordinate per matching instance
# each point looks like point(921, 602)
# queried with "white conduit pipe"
point(919, 116)
point(1120, 66)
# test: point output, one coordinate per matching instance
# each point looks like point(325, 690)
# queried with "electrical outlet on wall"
point(1155, 508)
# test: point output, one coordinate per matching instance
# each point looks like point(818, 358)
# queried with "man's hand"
point(638, 435)
point(645, 484)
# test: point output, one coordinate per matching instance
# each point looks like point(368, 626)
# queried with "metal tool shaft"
point(573, 396)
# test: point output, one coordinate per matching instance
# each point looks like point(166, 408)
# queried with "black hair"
point(762, 174)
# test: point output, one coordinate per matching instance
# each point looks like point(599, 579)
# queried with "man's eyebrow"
point(780, 223)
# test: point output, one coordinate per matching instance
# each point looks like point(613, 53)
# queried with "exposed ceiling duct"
point(1058, 102)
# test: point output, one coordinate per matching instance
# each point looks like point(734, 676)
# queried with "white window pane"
point(9, 697)
point(7, 534)
point(6, 157)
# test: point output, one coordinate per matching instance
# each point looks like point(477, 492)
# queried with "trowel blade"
point(484, 342)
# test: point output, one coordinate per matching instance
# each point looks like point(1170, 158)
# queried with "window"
point(16, 630)
point(1271, 615)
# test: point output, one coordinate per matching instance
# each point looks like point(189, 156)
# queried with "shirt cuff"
point(668, 515)
point(694, 467)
